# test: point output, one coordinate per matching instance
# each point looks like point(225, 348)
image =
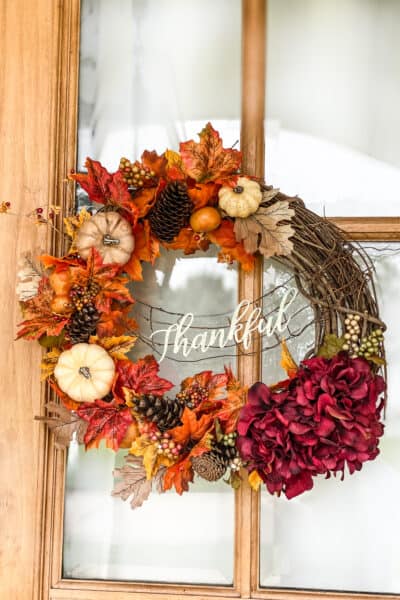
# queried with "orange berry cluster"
point(135, 174)
point(81, 296)
point(193, 395)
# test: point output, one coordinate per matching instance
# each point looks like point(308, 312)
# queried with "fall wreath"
point(325, 416)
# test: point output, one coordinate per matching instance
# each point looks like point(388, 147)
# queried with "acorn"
point(205, 219)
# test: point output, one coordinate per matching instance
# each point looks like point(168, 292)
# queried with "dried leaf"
point(64, 424)
point(134, 483)
point(332, 345)
point(75, 222)
point(49, 362)
point(33, 329)
point(29, 274)
point(117, 347)
point(264, 231)
point(208, 160)
point(287, 361)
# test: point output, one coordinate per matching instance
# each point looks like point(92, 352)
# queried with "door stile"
point(250, 284)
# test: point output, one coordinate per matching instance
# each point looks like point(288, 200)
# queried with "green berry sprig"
point(229, 439)
point(352, 335)
point(370, 346)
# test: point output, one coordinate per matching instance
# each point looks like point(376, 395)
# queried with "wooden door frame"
point(39, 45)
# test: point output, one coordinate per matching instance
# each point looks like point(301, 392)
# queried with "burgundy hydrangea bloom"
point(324, 418)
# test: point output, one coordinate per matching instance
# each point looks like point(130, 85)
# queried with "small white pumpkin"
point(110, 234)
point(85, 372)
point(241, 201)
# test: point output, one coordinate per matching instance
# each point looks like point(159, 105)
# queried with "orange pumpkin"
point(61, 304)
point(60, 282)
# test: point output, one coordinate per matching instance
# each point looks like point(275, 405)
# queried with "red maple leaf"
point(45, 324)
point(96, 182)
point(141, 377)
point(208, 160)
point(105, 421)
point(107, 188)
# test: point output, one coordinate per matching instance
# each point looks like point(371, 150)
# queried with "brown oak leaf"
point(131, 481)
point(265, 232)
point(208, 160)
point(64, 424)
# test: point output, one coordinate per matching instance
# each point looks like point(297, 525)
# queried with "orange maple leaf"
point(115, 322)
point(144, 200)
point(179, 476)
point(147, 248)
point(193, 427)
point(203, 194)
point(154, 162)
point(188, 241)
point(231, 250)
point(208, 160)
point(233, 403)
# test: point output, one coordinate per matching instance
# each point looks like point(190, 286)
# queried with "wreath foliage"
point(324, 417)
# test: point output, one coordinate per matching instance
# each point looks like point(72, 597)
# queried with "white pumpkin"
point(110, 234)
point(241, 201)
point(85, 372)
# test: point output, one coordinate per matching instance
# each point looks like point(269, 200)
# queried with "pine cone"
point(164, 412)
point(213, 465)
point(171, 212)
point(210, 465)
point(83, 324)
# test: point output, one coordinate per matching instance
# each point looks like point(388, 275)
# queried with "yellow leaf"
point(116, 347)
point(173, 158)
point(49, 362)
point(255, 480)
point(74, 223)
point(287, 362)
point(152, 460)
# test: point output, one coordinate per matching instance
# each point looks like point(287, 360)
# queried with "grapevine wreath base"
point(325, 416)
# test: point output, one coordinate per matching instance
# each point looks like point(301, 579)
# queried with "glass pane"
point(333, 91)
point(152, 73)
point(186, 539)
point(344, 535)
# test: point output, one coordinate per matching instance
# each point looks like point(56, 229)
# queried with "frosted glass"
point(333, 92)
point(186, 539)
point(153, 72)
point(344, 535)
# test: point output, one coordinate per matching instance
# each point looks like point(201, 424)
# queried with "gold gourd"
point(110, 234)
point(242, 200)
point(85, 372)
